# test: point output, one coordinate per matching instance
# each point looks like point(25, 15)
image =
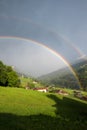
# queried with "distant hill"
point(64, 76)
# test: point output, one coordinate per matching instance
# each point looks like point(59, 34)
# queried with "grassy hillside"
point(22, 109)
point(29, 81)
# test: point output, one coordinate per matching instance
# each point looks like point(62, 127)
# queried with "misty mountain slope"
point(54, 74)
point(64, 77)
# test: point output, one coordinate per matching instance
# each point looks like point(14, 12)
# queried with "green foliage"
point(3, 74)
point(8, 77)
point(13, 79)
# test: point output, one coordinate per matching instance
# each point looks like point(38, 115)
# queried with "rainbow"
point(67, 40)
point(56, 34)
point(46, 47)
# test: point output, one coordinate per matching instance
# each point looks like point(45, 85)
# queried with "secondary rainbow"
point(46, 47)
point(63, 37)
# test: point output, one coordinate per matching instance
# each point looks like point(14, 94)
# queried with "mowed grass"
point(23, 102)
point(22, 109)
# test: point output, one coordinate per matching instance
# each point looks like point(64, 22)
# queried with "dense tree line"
point(64, 81)
point(8, 77)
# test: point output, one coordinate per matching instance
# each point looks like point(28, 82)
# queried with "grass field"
point(22, 109)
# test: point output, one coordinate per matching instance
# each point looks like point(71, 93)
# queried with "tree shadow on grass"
point(70, 108)
point(71, 111)
point(70, 115)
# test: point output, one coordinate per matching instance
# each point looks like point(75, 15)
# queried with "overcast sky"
point(58, 24)
point(29, 58)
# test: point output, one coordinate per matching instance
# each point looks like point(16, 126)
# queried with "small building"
point(62, 92)
point(77, 94)
point(41, 89)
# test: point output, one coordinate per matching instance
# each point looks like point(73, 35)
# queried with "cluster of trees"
point(8, 77)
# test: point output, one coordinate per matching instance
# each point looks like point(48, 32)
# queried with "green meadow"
point(22, 109)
